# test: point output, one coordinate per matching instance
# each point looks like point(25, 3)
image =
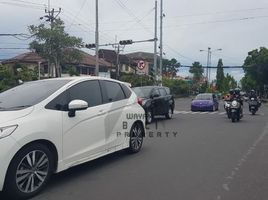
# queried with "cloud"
point(189, 25)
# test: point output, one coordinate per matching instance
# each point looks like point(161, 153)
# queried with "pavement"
point(200, 156)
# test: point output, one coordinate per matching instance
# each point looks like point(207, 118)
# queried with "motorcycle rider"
point(237, 96)
point(252, 94)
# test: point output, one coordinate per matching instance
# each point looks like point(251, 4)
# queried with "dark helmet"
point(237, 91)
point(252, 91)
point(231, 91)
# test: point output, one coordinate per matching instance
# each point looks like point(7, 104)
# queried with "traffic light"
point(125, 42)
point(90, 46)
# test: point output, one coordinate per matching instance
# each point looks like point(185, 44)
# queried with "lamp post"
point(209, 51)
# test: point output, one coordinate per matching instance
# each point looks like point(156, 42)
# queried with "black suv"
point(155, 100)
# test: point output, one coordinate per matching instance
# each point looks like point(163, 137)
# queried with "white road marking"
point(212, 113)
point(242, 160)
point(194, 113)
point(202, 113)
point(225, 187)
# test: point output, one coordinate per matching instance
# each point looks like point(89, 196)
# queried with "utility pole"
point(97, 39)
point(117, 62)
point(155, 44)
point(208, 70)
point(161, 40)
point(208, 61)
point(50, 17)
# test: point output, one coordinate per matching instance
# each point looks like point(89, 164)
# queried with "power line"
point(10, 48)
point(81, 8)
point(130, 13)
point(200, 23)
point(215, 67)
point(218, 12)
point(22, 5)
point(220, 21)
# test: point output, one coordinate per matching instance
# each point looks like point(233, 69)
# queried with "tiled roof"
point(90, 60)
point(32, 57)
point(29, 57)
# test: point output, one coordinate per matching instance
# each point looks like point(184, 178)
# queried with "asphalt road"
point(199, 156)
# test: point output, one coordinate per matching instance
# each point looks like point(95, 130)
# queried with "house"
point(143, 57)
point(126, 64)
point(30, 59)
point(85, 66)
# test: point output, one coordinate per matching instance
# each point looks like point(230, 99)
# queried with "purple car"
point(205, 102)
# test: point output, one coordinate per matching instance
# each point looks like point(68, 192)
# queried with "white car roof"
point(82, 78)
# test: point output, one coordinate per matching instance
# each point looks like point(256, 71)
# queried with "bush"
point(137, 80)
point(177, 87)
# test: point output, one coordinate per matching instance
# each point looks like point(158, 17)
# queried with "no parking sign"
point(141, 65)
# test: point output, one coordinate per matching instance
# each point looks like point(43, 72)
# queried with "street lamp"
point(209, 51)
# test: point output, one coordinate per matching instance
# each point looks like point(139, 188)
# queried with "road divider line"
point(202, 113)
point(194, 113)
point(241, 162)
point(212, 113)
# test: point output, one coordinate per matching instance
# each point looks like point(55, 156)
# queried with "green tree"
point(170, 67)
point(137, 80)
point(10, 75)
point(229, 83)
point(177, 87)
point(256, 68)
point(72, 71)
point(220, 76)
point(248, 83)
point(197, 70)
point(54, 44)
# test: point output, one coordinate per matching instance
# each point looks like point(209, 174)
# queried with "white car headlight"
point(234, 103)
point(7, 131)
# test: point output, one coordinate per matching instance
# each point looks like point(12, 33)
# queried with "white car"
point(51, 125)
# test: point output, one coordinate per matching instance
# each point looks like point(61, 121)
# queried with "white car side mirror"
point(76, 105)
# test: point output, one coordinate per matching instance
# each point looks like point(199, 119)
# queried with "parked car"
point(205, 102)
point(155, 100)
point(51, 125)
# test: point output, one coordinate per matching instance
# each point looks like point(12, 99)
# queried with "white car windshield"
point(29, 94)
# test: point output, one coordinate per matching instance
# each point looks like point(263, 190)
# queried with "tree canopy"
point(55, 45)
point(220, 76)
point(170, 67)
point(197, 70)
point(256, 69)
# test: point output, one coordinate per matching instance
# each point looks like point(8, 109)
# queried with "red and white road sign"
point(141, 65)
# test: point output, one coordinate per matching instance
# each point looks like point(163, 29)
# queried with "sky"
point(189, 26)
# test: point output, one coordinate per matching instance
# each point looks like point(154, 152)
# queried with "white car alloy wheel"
point(29, 171)
point(136, 138)
point(32, 171)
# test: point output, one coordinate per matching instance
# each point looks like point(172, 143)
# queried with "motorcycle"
point(236, 111)
point(253, 105)
point(227, 107)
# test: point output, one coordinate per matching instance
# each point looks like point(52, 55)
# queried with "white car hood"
point(6, 116)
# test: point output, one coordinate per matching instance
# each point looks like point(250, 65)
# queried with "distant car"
point(205, 102)
point(155, 100)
